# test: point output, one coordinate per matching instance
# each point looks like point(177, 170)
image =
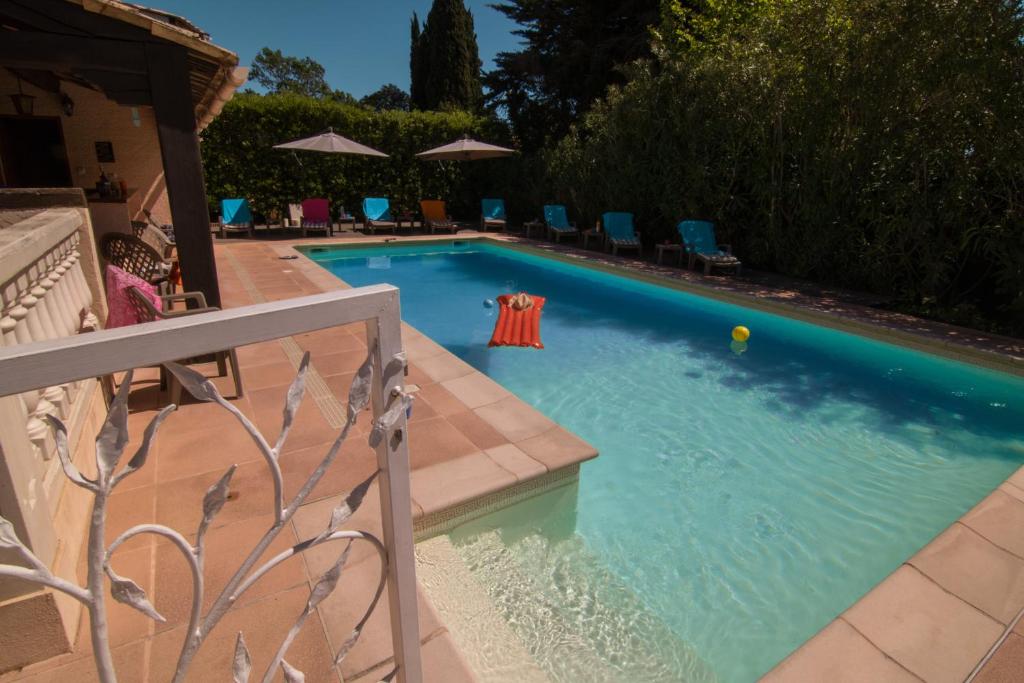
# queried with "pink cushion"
point(121, 311)
point(316, 211)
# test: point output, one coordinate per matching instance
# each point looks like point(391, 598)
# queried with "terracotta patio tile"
point(442, 663)
point(127, 508)
point(337, 363)
point(417, 376)
point(1007, 664)
point(264, 353)
point(354, 463)
point(226, 548)
point(347, 604)
point(421, 410)
point(516, 461)
point(440, 399)
point(975, 570)
point(313, 518)
point(476, 389)
point(557, 448)
point(179, 502)
point(436, 440)
point(333, 340)
point(474, 428)
point(276, 374)
point(419, 347)
point(928, 631)
point(443, 367)
point(309, 428)
point(1017, 478)
point(515, 419)
point(999, 518)
point(838, 654)
point(448, 483)
point(188, 452)
point(1012, 490)
point(264, 624)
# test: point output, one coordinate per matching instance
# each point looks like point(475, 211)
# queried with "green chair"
point(558, 223)
point(235, 216)
point(492, 214)
point(700, 245)
point(619, 232)
point(377, 211)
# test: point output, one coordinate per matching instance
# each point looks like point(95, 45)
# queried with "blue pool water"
point(740, 501)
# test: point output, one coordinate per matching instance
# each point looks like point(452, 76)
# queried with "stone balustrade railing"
point(44, 295)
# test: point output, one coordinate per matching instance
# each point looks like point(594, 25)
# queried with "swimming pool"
point(740, 501)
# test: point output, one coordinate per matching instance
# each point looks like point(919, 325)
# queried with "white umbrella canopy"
point(466, 149)
point(331, 142)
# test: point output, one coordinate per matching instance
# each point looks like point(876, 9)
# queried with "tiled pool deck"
point(936, 618)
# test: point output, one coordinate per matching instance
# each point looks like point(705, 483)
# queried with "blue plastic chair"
point(558, 222)
point(492, 213)
point(618, 229)
point(235, 216)
point(700, 245)
point(377, 211)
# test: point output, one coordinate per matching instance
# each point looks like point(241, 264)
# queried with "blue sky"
point(362, 44)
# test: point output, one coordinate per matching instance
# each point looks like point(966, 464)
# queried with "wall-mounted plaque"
point(105, 152)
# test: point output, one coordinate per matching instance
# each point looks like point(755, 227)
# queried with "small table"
point(530, 226)
point(593, 234)
point(675, 248)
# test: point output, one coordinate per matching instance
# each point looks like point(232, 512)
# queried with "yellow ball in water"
point(740, 333)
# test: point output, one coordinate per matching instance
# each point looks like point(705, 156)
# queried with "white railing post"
point(384, 338)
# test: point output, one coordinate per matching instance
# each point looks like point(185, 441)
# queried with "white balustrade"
point(45, 296)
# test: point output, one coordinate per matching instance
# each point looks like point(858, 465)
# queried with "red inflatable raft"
point(518, 326)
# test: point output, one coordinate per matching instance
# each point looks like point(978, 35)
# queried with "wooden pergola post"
point(183, 167)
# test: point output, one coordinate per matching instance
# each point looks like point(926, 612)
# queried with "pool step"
point(564, 614)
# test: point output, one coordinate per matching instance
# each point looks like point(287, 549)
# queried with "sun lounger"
point(700, 245)
point(316, 215)
point(619, 232)
point(377, 211)
point(492, 214)
point(435, 215)
point(235, 216)
point(558, 223)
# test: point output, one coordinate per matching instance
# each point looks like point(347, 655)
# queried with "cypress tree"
point(445, 61)
point(417, 66)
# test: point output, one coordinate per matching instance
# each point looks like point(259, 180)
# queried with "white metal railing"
point(56, 362)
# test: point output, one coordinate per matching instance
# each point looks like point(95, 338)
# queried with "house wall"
point(136, 148)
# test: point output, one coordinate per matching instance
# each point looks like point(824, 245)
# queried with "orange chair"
point(435, 215)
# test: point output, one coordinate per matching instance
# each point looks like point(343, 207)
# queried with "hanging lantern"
point(23, 104)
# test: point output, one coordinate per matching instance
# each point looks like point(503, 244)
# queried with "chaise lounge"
point(700, 245)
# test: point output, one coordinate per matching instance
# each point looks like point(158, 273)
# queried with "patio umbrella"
point(331, 142)
point(465, 149)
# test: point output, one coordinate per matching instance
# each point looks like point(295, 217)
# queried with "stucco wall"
point(136, 148)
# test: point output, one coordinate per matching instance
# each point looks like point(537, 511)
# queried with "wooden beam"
point(171, 93)
point(61, 16)
point(48, 51)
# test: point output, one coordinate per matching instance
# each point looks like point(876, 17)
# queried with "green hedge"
point(877, 144)
point(240, 161)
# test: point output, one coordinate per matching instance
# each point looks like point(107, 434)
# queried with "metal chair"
point(132, 255)
point(147, 312)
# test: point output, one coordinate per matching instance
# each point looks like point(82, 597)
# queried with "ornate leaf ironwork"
point(214, 499)
point(241, 667)
point(347, 646)
point(329, 581)
point(113, 436)
point(8, 537)
point(126, 591)
point(195, 383)
point(359, 390)
point(291, 404)
point(291, 674)
point(60, 437)
point(139, 459)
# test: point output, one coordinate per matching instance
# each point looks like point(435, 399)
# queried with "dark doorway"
point(32, 152)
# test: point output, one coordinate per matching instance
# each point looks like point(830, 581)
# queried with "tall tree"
point(281, 73)
point(388, 98)
point(417, 77)
point(569, 58)
point(445, 64)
